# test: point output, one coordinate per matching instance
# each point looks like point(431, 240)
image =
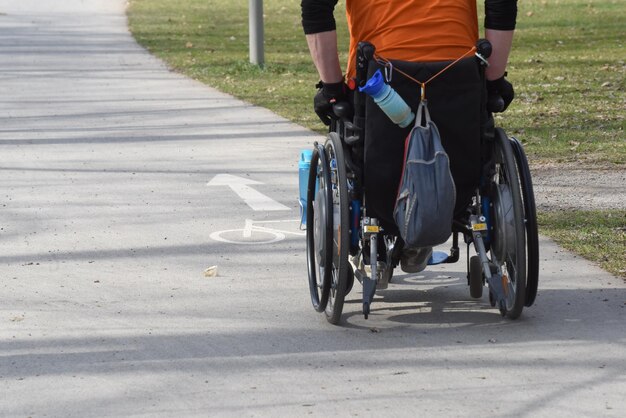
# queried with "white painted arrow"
point(256, 200)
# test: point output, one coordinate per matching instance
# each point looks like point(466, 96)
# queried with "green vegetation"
point(568, 67)
point(208, 41)
point(599, 236)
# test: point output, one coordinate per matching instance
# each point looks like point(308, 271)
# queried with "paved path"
point(106, 222)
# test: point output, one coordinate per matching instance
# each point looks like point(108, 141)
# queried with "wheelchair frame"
point(501, 224)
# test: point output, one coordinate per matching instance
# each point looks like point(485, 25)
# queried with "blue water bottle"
point(304, 165)
point(388, 100)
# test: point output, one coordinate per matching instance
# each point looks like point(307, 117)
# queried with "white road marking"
point(253, 198)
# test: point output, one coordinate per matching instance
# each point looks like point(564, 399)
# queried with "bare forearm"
point(501, 41)
point(323, 48)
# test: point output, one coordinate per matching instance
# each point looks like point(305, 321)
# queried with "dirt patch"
point(567, 187)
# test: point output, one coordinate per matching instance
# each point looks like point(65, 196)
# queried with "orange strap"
point(387, 63)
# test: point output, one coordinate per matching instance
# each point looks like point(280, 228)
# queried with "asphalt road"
point(121, 182)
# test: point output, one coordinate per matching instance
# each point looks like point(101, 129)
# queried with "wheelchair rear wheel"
point(340, 229)
point(319, 233)
point(508, 249)
point(530, 218)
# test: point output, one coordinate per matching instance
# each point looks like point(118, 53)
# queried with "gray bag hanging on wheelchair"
point(426, 196)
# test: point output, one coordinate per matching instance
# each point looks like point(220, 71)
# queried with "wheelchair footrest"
point(437, 257)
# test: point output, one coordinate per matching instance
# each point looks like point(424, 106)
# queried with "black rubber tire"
point(341, 229)
point(350, 282)
point(530, 215)
point(316, 263)
point(514, 258)
point(476, 282)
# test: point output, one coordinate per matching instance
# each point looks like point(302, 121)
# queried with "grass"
point(568, 67)
point(599, 236)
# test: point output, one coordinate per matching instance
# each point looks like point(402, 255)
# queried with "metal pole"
point(256, 31)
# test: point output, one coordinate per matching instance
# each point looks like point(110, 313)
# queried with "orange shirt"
point(412, 30)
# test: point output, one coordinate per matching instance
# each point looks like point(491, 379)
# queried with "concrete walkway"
point(107, 225)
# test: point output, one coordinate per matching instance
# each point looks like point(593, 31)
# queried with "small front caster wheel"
point(476, 282)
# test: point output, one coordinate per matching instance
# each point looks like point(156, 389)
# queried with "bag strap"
point(387, 64)
point(422, 111)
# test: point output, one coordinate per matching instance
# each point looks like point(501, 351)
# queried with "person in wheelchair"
point(358, 207)
point(420, 38)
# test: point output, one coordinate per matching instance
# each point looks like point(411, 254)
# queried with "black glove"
point(500, 94)
point(327, 95)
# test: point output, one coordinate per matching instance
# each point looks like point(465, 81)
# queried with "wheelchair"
point(342, 241)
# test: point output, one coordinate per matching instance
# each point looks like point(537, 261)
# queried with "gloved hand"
point(327, 95)
point(500, 94)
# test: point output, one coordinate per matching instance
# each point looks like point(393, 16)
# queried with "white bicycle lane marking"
point(253, 233)
point(253, 198)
